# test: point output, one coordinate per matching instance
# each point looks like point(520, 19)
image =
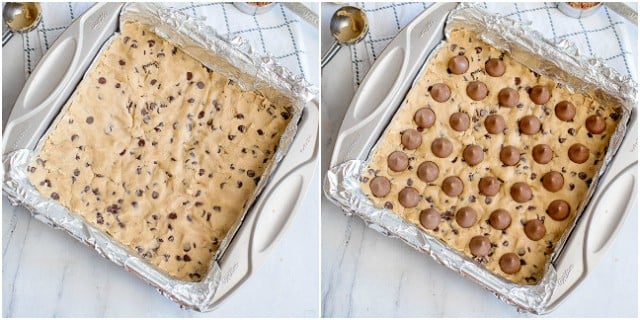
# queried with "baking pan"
point(377, 100)
point(52, 83)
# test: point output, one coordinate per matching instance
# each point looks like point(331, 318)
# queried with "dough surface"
point(159, 152)
point(558, 134)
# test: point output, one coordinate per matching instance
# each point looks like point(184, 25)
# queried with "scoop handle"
point(7, 36)
point(57, 75)
point(335, 47)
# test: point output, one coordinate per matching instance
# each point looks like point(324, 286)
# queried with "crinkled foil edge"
point(20, 191)
point(233, 58)
point(588, 75)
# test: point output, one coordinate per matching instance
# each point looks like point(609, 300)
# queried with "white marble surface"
point(367, 274)
point(45, 272)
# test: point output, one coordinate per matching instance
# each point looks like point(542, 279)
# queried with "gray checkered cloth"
point(278, 32)
point(604, 35)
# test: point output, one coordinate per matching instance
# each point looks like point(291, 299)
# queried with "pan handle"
point(273, 212)
point(287, 187)
point(387, 83)
point(56, 75)
point(602, 218)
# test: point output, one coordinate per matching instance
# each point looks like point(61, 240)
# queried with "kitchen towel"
point(279, 32)
point(604, 35)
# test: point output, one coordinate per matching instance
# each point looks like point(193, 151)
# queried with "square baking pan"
point(376, 102)
point(45, 94)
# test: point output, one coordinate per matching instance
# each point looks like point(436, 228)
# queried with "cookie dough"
point(514, 177)
point(159, 152)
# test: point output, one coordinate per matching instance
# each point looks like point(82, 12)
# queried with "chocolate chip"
point(509, 263)
point(239, 184)
point(200, 114)
point(173, 215)
point(189, 75)
point(480, 246)
point(102, 80)
point(186, 258)
point(495, 67)
point(441, 147)
point(55, 196)
point(76, 172)
point(239, 116)
point(430, 218)
point(380, 186)
point(508, 97)
point(89, 120)
point(534, 229)
point(529, 125)
point(141, 143)
point(151, 43)
point(459, 121)
point(458, 65)
point(397, 161)
point(409, 197)
point(424, 118)
point(241, 128)
point(99, 218)
point(260, 132)
point(121, 62)
point(285, 115)
point(411, 139)
point(251, 173)
point(155, 195)
point(200, 85)
point(540, 94)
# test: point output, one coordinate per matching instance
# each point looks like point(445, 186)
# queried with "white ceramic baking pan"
point(377, 100)
point(62, 68)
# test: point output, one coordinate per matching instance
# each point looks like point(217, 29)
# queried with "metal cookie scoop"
point(20, 17)
point(348, 26)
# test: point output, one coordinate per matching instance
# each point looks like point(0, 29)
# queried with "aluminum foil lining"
point(585, 75)
point(233, 58)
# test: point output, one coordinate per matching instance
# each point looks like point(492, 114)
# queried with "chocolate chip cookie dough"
point(159, 152)
point(498, 157)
